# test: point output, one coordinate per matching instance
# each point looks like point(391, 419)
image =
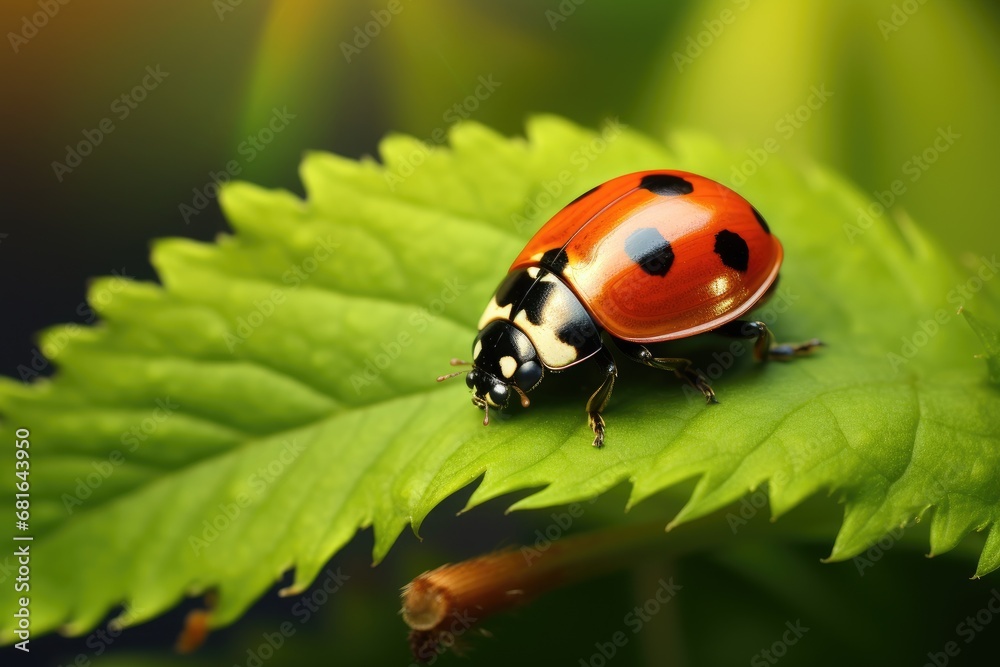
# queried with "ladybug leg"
point(682, 368)
point(764, 347)
point(599, 399)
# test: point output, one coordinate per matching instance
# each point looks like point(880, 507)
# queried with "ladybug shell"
point(659, 255)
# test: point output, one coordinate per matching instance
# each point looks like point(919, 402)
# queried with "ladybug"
point(642, 259)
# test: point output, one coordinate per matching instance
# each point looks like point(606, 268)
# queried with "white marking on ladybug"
point(494, 312)
point(553, 352)
point(477, 349)
point(508, 365)
point(533, 272)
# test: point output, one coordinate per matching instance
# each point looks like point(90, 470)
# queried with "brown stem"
point(443, 604)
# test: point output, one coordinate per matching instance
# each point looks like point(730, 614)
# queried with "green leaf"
point(276, 394)
point(990, 338)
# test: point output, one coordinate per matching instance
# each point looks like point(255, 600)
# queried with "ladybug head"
point(487, 391)
point(504, 362)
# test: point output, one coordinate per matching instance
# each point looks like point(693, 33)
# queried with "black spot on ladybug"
point(580, 332)
point(732, 250)
point(525, 293)
point(534, 302)
point(513, 289)
point(760, 219)
point(647, 248)
point(555, 260)
point(585, 195)
point(666, 185)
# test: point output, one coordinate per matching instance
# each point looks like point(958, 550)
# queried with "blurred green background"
point(902, 97)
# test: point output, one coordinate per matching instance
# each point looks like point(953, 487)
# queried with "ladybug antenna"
point(524, 397)
point(442, 378)
point(455, 362)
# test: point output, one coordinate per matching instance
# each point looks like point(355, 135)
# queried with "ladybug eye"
point(470, 379)
point(499, 394)
point(528, 374)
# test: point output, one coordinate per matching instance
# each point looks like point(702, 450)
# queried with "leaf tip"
point(289, 591)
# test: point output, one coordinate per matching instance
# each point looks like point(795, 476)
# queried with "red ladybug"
point(644, 258)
